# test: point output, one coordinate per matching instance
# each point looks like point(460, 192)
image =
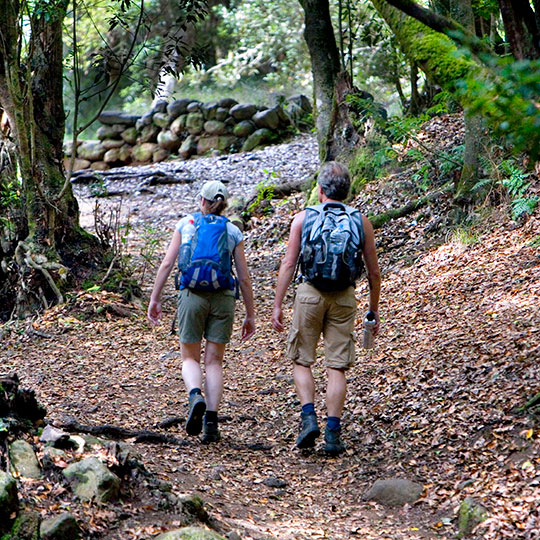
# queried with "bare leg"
point(305, 384)
point(213, 363)
point(335, 392)
point(191, 365)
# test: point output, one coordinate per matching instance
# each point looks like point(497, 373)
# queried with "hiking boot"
point(197, 407)
point(333, 443)
point(210, 432)
point(309, 431)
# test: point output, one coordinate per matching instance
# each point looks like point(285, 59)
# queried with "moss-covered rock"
point(190, 533)
point(470, 514)
point(9, 499)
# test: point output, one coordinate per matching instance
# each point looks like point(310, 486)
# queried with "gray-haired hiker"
point(333, 241)
point(205, 245)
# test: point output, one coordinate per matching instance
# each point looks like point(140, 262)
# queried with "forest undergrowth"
point(441, 400)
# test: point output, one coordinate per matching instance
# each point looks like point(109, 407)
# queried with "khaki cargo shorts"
point(208, 314)
point(329, 313)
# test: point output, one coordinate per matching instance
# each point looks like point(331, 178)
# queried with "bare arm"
point(373, 272)
point(154, 307)
point(248, 328)
point(286, 270)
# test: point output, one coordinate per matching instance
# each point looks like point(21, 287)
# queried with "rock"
point(178, 107)
point(54, 437)
point(114, 117)
point(26, 527)
point(192, 505)
point(394, 492)
point(63, 527)
point(9, 499)
point(244, 128)
point(214, 127)
point(106, 132)
point(470, 514)
point(143, 152)
point(301, 101)
point(222, 114)
point(144, 120)
point(112, 143)
point(190, 533)
point(227, 103)
point(99, 166)
point(194, 107)
point(92, 480)
point(259, 137)
point(112, 156)
point(161, 120)
point(161, 154)
point(91, 150)
point(148, 133)
point(221, 143)
point(274, 482)
point(23, 460)
point(178, 125)
point(195, 123)
point(188, 147)
point(233, 535)
point(243, 112)
point(78, 165)
point(160, 106)
point(130, 135)
point(267, 119)
point(209, 110)
point(169, 141)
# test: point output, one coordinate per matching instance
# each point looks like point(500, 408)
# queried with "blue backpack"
point(331, 246)
point(205, 262)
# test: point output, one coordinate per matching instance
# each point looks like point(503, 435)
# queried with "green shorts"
point(331, 314)
point(205, 314)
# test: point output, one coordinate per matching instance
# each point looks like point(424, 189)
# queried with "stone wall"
point(186, 128)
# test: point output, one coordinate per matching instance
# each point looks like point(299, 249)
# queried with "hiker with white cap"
point(205, 245)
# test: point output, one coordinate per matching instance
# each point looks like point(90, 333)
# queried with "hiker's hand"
point(248, 328)
point(154, 311)
point(277, 319)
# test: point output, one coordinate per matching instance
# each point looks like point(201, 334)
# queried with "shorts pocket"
point(306, 299)
point(292, 344)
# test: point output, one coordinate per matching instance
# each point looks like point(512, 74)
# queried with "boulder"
point(161, 154)
point(195, 123)
point(244, 128)
point(91, 150)
point(9, 499)
point(62, 527)
point(215, 142)
point(243, 112)
point(112, 143)
point(227, 103)
point(471, 513)
point(26, 527)
point(194, 107)
point(78, 165)
point(99, 166)
point(112, 156)
point(214, 127)
point(107, 132)
point(23, 460)
point(130, 135)
point(160, 106)
point(222, 114)
point(148, 133)
point(115, 117)
point(124, 155)
point(258, 138)
point(178, 125)
point(143, 152)
point(178, 107)
point(91, 480)
point(169, 141)
point(144, 120)
point(190, 533)
point(302, 102)
point(55, 437)
point(266, 119)
point(394, 492)
point(209, 110)
point(188, 147)
point(161, 120)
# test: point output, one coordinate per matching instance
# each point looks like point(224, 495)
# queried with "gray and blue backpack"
point(332, 241)
point(205, 262)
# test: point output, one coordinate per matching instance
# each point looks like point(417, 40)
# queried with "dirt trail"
point(433, 403)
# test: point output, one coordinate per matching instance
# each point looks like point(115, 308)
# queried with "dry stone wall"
point(185, 128)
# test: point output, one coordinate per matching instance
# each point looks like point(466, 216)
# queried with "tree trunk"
point(521, 27)
point(49, 246)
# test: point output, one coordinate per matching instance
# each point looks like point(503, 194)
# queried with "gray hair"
point(335, 180)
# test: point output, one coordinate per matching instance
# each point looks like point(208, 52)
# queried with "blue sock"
point(195, 391)
point(308, 408)
point(333, 423)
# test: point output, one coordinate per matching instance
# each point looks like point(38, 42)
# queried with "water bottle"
point(185, 249)
point(338, 238)
point(369, 324)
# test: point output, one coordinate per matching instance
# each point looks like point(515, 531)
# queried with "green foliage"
point(464, 236)
point(265, 194)
point(151, 242)
point(509, 99)
point(514, 180)
point(10, 194)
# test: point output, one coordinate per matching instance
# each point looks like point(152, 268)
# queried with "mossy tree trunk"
point(335, 133)
point(46, 247)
